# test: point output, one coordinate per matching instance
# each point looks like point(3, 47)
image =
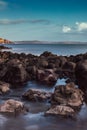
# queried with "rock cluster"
point(18, 69)
point(68, 95)
point(66, 100)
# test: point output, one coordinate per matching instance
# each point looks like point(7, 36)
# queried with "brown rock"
point(36, 95)
point(12, 106)
point(14, 72)
point(68, 95)
point(4, 87)
point(61, 110)
point(47, 76)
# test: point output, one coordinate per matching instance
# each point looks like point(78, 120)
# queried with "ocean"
point(35, 119)
point(59, 49)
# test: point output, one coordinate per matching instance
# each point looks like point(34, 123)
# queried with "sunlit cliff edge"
point(5, 41)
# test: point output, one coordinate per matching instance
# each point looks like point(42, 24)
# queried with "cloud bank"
point(79, 27)
point(20, 21)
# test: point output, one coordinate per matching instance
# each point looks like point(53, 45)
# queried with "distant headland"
point(5, 41)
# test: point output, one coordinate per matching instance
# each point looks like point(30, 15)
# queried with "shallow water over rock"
point(35, 118)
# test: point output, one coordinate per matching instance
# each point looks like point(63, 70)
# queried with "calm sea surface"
point(60, 49)
point(35, 119)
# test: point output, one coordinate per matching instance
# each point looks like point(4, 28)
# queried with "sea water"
point(59, 49)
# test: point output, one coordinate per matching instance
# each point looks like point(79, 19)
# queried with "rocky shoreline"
point(3, 47)
point(18, 69)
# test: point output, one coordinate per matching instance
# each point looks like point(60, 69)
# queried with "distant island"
point(49, 42)
point(5, 41)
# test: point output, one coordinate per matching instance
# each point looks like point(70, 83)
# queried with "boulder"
point(13, 72)
point(69, 66)
point(12, 106)
point(4, 87)
point(81, 74)
point(46, 54)
point(68, 95)
point(61, 110)
point(46, 76)
point(36, 95)
point(42, 62)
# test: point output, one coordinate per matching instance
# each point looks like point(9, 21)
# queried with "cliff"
point(5, 41)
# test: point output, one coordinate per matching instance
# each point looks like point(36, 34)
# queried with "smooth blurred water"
point(59, 49)
point(35, 118)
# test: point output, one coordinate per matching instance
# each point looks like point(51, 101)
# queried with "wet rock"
point(36, 95)
point(46, 54)
point(32, 71)
point(12, 106)
point(4, 47)
point(61, 110)
point(68, 70)
point(68, 95)
point(42, 62)
point(46, 76)
point(69, 66)
point(63, 60)
point(14, 72)
point(81, 74)
point(4, 87)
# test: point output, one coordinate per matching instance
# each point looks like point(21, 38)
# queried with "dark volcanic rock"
point(68, 95)
point(36, 95)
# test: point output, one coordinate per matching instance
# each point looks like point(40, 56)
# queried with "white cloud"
point(3, 4)
point(81, 26)
point(66, 29)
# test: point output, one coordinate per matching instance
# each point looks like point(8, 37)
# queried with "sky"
point(43, 20)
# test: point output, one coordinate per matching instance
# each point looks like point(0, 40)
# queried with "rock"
point(46, 76)
point(61, 110)
point(69, 66)
point(42, 63)
point(14, 72)
point(4, 87)
point(68, 95)
point(36, 95)
point(3, 47)
point(46, 54)
point(81, 74)
point(12, 106)
point(32, 70)
point(62, 60)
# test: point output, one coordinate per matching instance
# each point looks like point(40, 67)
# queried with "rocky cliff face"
point(5, 41)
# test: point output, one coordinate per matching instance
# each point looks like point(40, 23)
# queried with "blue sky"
point(45, 20)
